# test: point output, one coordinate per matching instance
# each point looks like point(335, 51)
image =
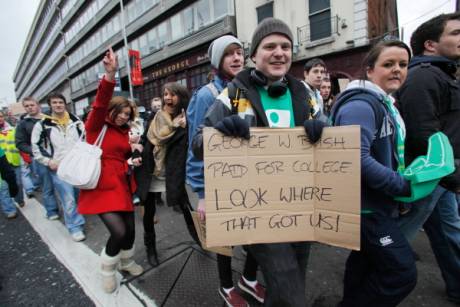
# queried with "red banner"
point(136, 69)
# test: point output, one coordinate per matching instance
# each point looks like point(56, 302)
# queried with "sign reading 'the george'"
point(277, 187)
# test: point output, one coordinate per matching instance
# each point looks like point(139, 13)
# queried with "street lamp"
point(125, 40)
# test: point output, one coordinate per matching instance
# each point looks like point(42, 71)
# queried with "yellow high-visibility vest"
point(9, 147)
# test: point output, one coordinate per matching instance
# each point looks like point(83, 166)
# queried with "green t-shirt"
point(278, 110)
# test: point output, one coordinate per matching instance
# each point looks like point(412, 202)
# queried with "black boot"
point(151, 248)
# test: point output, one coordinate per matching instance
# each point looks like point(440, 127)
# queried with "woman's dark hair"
point(181, 92)
point(117, 104)
point(430, 30)
point(374, 53)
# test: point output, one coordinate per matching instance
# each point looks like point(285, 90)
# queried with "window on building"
point(176, 27)
point(152, 40)
point(220, 8)
point(265, 11)
point(139, 7)
point(143, 45)
point(202, 13)
point(162, 34)
point(188, 20)
point(320, 19)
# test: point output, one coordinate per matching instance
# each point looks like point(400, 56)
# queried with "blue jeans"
point(439, 216)
point(35, 172)
point(74, 221)
point(49, 198)
point(6, 202)
point(20, 197)
point(30, 179)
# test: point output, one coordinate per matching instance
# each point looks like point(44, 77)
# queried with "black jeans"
point(284, 267)
point(383, 272)
point(224, 265)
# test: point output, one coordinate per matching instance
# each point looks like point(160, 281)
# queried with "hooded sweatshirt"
point(379, 179)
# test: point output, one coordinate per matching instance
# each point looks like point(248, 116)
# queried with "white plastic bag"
point(81, 166)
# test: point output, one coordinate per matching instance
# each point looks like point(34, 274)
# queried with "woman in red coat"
point(112, 197)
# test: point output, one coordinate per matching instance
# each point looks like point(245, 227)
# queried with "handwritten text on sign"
point(276, 187)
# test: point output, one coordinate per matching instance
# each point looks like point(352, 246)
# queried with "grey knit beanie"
point(217, 48)
point(266, 27)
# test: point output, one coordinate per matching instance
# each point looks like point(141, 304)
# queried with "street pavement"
point(41, 266)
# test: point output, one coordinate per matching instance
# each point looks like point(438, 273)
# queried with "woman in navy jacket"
point(383, 272)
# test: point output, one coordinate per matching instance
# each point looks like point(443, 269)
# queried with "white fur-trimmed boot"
point(108, 271)
point(127, 263)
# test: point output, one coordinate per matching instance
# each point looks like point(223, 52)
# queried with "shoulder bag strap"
point(100, 137)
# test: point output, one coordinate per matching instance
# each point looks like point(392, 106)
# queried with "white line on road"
point(80, 260)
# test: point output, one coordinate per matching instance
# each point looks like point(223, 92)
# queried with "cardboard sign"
point(200, 227)
point(277, 187)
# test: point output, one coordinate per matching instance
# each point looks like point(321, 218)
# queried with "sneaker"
point(53, 217)
point(11, 215)
point(20, 205)
point(257, 292)
point(233, 299)
point(78, 236)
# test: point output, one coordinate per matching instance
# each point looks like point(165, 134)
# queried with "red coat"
point(113, 191)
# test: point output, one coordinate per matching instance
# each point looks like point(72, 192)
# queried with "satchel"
point(81, 166)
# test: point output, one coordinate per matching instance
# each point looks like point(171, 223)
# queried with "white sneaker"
point(78, 236)
point(53, 217)
point(11, 215)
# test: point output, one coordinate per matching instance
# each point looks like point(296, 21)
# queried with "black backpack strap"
point(233, 95)
point(44, 139)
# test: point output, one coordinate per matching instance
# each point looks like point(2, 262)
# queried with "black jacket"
point(247, 91)
point(430, 102)
point(23, 134)
point(176, 155)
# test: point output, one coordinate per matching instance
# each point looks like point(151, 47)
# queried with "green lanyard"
point(399, 134)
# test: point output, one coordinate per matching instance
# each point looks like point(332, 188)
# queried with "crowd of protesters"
point(404, 96)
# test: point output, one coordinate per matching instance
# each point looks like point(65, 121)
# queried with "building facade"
point(339, 32)
point(68, 39)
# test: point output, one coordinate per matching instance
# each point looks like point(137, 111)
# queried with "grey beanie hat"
point(217, 48)
point(266, 27)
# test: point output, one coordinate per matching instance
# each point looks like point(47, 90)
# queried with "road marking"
point(80, 260)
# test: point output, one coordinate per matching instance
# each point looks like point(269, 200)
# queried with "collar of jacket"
point(123, 129)
point(48, 120)
point(445, 64)
point(219, 83)
point(299, 97)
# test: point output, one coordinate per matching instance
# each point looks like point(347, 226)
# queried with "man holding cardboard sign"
point(267, 97)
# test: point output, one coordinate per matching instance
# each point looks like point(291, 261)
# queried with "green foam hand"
point(425, 172)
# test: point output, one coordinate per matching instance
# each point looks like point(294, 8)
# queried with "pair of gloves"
point(237, 127)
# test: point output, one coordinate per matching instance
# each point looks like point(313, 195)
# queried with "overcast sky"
point(16, 18)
